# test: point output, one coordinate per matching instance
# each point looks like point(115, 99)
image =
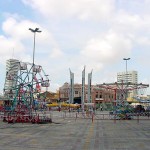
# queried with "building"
point(129, 76)
point(102, 95)
point(12, 68)
point(49, 97)
point(99, 95)
point(64, 92)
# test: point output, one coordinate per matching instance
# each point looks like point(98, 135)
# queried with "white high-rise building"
point(129, 76)
point(12, 68)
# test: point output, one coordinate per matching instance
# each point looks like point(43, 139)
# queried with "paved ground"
point(76, 134)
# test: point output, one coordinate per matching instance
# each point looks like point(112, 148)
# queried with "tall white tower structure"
point(12, 68)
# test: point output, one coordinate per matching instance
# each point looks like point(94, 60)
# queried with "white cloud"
point(81, 9)
point(127, 22)
point(20, 39)
point(107, 48)
point(126, 19)
point(17, 29)
point(56, 53)
point(9, 48)
point(145, 41)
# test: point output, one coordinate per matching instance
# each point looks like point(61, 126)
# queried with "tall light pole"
point(34, 31)
point(126, 59)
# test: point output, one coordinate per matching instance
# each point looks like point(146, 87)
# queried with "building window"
point(76, 92)
point(96, 95)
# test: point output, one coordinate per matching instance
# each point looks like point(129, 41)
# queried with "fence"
point(106, 116)
point(92, 116)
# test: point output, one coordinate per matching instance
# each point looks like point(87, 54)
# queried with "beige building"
point(102, 95)
point(99, 95)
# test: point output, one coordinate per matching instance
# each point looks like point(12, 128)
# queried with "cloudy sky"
point(97, 34)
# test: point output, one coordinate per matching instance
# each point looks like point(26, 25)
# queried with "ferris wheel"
point(23, 83)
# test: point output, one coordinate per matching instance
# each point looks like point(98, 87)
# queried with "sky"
point(96, 34)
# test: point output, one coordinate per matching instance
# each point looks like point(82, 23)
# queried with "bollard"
point(38, 119)
point(115, 118)
point(76, 116)
point(138, 118)
point(92, 117)
point(65, 114)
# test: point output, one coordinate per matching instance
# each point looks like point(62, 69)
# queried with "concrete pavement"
point(76, 134)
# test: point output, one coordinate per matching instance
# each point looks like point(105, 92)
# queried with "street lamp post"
point(126, 59)
point(34, 31)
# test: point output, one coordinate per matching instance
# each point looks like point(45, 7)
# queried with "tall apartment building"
point(12, 68)
point(129, 76)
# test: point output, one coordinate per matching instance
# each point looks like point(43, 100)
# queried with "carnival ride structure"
point(121, 107)
point(21, 90)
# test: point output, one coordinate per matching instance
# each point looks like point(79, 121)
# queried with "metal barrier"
point(106, 116)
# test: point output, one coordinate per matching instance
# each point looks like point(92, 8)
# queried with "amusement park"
point(76, 112)
point(74, 75)
point(27, 99)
